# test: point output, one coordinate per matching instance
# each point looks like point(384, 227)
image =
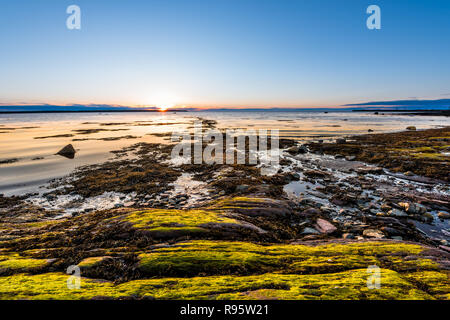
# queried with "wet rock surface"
point(324, 215)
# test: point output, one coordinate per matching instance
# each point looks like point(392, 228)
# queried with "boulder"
point(341, 141)
point(411, 128)
point(68, 152)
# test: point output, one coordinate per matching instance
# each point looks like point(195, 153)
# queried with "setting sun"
point(164, 107)
point(163, 100)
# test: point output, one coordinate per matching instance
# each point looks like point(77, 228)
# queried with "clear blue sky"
point(223, 52)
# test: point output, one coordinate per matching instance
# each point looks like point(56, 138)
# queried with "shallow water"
point(37, 162)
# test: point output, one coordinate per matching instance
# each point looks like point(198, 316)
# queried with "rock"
point(297, 150)
point(311, 237)
point(444, 215)
point(350, 158)
point(316, 174)
point(413, 208)
point(68, 152)
point(129, 204)
point(295, 176)
point(310, 212)
point(309, 230)
point(373, 233)
point(397, 213)
point(93, 261)
point(341, 141)
point(324, 226)
point(348, 236)
point(445, 248)
point(369, 170)
point(338, 156)
point(408, 173)
point(397, 238)
point(370, 130)
point(391, 231)
point(242, 188)
point(411, 128)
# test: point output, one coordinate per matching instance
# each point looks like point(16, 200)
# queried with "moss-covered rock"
point(350, 284)
point(224, 257)
point(236, 248)
point(15, 262)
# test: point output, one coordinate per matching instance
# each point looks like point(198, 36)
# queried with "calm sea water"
point(37, 162)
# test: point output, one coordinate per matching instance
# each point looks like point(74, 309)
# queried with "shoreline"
point(89, 111)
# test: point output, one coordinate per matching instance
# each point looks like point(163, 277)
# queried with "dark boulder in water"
point(68, 152)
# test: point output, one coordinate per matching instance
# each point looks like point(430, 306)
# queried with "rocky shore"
point(143, 227)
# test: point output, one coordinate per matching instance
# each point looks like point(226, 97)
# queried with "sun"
point(163, 100)
point(164, 107)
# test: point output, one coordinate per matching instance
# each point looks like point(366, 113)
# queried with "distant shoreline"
point(377, 111)
point(86, 111)
point(417, 112)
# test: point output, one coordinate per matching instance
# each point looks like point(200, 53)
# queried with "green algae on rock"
point(220, 251)
point(225, 257)
point(15, 262)
point(346, 285)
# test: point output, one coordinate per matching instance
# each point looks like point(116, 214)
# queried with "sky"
point(223, 53)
